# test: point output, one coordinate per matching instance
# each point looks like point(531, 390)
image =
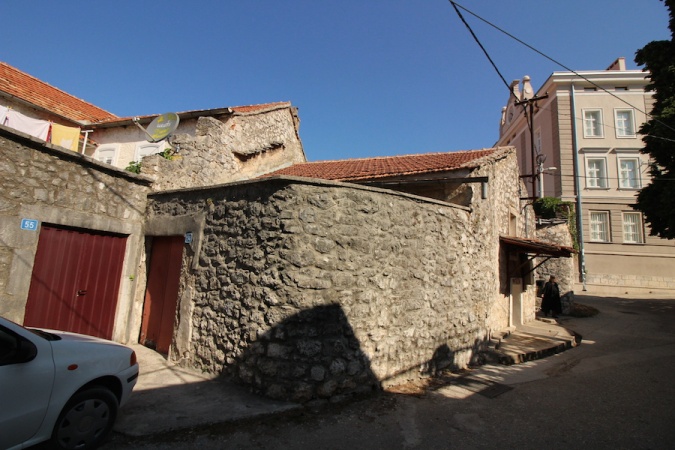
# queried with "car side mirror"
point(26, 352)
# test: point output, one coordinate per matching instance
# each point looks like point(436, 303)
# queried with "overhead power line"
point(457, 7)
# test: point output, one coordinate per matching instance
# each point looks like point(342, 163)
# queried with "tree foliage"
point(657, 199)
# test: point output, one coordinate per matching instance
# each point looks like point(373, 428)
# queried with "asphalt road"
point(615, 391)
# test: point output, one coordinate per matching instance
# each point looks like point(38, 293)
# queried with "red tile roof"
point(381, 167)
point(28, 88)
point(36, 92)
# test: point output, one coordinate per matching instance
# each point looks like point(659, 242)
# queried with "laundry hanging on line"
point(67, 137)
point(34, 127)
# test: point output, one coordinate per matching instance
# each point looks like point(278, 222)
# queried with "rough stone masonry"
point(316, 290)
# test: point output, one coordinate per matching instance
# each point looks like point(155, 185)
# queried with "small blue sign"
point(188, 237)
point(29, 224)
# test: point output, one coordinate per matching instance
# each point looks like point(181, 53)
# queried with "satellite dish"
point(162, 126)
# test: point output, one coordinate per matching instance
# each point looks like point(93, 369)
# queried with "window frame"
point(115, 148)
point(619, 135)
point(607, 224)
point(604, 179)
point(141, 145)
point(638, 176)
point(600, 126)
point(640, 227)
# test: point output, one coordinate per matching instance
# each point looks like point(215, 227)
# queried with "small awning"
point(537, 247)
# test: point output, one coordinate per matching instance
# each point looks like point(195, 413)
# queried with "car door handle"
point(81, 292)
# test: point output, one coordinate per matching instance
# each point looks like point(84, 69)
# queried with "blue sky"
point(370, 77)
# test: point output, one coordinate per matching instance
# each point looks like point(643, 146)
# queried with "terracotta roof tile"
point(381, 167)
point(37, 92)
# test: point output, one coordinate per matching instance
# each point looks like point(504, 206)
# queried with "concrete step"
point(534, 340)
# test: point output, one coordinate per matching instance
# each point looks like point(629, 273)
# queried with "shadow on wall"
point(311, 355)
point(314, 355)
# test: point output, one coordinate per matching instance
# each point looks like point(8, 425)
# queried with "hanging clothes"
point(67, 137)
point(34, 127)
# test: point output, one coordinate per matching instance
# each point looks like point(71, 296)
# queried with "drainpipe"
point(577, 187)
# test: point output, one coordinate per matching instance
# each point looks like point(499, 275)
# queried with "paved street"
point(613, 391)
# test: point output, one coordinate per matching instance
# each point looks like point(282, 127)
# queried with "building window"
point(624, 122)
point(632, 228)
point(147, 149)
point(629, 173)
point(593, 123)
point(596, 173)
point(599, 225)
point(106, 154)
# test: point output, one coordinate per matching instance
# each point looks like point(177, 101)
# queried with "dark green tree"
point(657, 199)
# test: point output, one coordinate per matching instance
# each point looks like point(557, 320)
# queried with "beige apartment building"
point(584, 147)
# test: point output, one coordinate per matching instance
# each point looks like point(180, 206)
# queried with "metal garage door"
point(75, 281)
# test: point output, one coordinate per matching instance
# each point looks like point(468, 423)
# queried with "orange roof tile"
point(28, 88)
point(381, 167)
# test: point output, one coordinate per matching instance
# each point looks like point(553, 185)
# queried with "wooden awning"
point(536, 247)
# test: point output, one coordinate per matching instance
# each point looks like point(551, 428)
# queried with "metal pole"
point(577, 187)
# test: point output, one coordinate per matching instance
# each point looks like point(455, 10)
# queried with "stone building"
point(308, 288)
point(65, 209)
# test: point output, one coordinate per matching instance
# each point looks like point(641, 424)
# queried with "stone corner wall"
point(60, 188)
point(309, 291)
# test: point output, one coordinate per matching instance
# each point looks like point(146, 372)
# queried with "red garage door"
point(75, 281)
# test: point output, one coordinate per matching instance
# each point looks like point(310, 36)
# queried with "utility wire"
point(456, 6)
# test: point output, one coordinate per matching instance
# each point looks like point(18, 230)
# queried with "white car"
point(60, 386)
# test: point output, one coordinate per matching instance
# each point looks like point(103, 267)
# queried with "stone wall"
point(564, 269)
point(308, 290)
point(229, 148)
point(46, 183)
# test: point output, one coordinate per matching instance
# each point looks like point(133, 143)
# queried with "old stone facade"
point(60, 187)
point(212, 147)
point(306, 289)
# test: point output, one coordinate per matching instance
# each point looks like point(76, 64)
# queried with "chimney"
point(619, 64)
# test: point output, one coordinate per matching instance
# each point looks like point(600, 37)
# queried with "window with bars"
point(593, 123)
point(624, 123)
point(629, 173)
point(632, 228)
point(599, 226)
point(596, 173)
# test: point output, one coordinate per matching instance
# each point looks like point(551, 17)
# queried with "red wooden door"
point(75, 281)
point(161, 294)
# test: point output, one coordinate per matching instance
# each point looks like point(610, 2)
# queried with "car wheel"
point(86, 420)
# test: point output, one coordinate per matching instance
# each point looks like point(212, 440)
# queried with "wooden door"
point(161, 295)
point(75, 281)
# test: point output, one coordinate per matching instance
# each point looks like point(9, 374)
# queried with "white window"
point(624, 122)
point(596, 173)
point(629, 173)
point(632, 228)
point(593, 123)
point(599, 225)
point(147, 149)
point(106, 154)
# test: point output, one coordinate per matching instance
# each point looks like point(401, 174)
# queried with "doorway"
point(161, 295)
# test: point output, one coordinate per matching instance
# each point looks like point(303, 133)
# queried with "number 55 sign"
point(29, 224)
